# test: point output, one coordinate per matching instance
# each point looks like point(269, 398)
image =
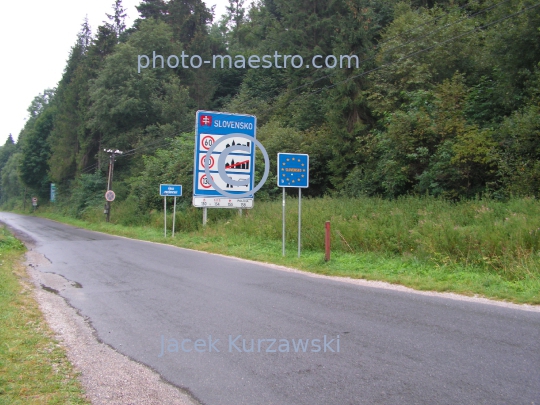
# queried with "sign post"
point(283, 225)
point(299, 219)
point(164, 217)
point(293, 171)
point(174, 216)
point(169, 190)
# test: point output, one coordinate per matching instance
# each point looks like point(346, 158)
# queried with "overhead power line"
point(89, 168)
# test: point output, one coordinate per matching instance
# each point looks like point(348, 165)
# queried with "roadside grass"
point(34, 369)
point(480, 247)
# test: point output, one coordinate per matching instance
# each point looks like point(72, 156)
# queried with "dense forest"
point(445, 100)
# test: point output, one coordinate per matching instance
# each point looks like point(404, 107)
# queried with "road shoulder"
point(108, 377)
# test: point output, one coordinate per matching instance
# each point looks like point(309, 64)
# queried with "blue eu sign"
point(293, 170)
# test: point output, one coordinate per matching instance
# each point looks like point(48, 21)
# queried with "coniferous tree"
point(189, 19)
point(156, 9)
point(117, 20)
point(10, 182)
point(84, 36)
point(70, 97)
point(6, 151)
point(235, 13)
point(35, 149)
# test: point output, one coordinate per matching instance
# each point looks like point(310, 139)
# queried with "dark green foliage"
point(519, 157)
point(485, 103)
point(87, 192)
point(444, 100)
point(152, 9)
point(10, 186)
point(35, 148)
point(173, 165)
point(188, 19)
point(6, 151)
point(69, 122)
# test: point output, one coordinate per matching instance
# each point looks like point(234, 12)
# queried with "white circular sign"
point(109, 195)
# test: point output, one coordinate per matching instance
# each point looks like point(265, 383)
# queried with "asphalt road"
point(146, 299)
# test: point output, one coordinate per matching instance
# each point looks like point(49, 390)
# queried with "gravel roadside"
point(108, 377)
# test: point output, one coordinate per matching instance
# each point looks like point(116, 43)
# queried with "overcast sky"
point(36, 37)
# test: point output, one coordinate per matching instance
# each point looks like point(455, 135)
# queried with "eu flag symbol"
point(293, 170)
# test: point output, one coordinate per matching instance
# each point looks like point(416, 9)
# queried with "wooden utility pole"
point(112, 153)
point(327, 241)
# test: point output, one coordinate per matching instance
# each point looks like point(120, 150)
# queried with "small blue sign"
point(293, 170)
point(53, 192)
point(170, 190)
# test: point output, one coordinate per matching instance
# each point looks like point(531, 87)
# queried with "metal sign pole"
point(204, 216)
point(299, 218)
point(283, 231)
point(165, 216)
point(174, 216)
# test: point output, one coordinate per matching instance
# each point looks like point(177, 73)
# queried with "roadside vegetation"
point(34, 369)
point(440, 98)
point(474, 247)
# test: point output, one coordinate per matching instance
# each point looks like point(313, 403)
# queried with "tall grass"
point(500, 237)
point(503, 237)
point(34, 368)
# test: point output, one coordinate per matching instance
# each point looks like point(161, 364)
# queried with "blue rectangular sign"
point(239, 165)
point(170, 190)
point(53, 192)
point(293, 170)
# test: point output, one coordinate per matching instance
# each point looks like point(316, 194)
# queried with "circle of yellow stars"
point(285, 175)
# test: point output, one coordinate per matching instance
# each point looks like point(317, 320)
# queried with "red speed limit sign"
point(207, 141)
point(204, 182)
point(211, 162)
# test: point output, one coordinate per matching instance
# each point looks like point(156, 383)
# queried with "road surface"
point(233, 332)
